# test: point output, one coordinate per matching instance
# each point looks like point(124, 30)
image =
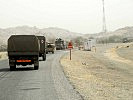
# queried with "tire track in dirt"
point(112, 54)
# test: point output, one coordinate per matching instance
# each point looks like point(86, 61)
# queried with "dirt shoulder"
point(3, 55)
point(122, 54)
point(96, 77)
point(126, 52)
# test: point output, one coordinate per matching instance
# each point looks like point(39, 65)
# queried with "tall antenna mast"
point(104, 19)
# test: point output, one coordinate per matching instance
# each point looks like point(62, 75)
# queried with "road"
point(47, 83)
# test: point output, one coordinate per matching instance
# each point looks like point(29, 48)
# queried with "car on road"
point(50, 48)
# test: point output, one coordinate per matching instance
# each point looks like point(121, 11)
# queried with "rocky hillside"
point(52, 33)
point(49, 33)
point(123, 32)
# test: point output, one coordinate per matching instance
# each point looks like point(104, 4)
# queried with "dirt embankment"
point(96, 78)
point(3, 55)
point(112, 54)
point(126, 52)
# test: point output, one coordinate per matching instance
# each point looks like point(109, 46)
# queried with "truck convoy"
point(42, 52)
point(24, 50)
point(59, 44)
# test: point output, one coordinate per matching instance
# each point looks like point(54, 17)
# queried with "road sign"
point(70, 46)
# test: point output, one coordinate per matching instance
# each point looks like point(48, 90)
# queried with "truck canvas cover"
point(23, 43)
point(42, 43)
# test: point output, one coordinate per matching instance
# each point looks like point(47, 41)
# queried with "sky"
point(82, 16)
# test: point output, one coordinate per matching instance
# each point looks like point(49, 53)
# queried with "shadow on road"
point(24, 69)
point(4, 69)
point(17, 69)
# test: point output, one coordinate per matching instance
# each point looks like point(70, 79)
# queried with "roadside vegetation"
point(3, 48)
point(111, 39)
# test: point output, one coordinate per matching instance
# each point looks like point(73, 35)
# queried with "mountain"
point(52, 33)
point(49, 33)
point(126, 32)
point(123, 32)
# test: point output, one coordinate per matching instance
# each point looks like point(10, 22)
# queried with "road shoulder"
point(97, 78)
point(64, 89)
point(3, 55)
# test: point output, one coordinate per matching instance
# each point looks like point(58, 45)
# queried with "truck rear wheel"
point(12, 67)
point(36, 65)
point(44, 57)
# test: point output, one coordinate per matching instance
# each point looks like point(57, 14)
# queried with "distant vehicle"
point(80, 47)
point(128, 39)
point(23, 50)
point(59, 44)
point(50, 48)
point(42, 52)
point(89, 44)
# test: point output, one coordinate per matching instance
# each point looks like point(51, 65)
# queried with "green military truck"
point(59, 44)
point(23, 50)
point(50, 48)
point(42, 52)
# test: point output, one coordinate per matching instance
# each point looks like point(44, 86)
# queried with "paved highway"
point(47, 83)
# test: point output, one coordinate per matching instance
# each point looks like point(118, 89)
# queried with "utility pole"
point(104, 19)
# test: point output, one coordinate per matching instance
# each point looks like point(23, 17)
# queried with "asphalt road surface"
point(47, 83)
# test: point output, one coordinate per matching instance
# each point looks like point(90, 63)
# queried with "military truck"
point(23, 50)
point(89, 44)
point(59, 44)
point(42, 52)
point(50, 48)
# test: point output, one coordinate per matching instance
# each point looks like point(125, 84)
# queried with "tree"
point(78, 41)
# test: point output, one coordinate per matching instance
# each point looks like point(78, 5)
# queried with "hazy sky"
point(84, 16)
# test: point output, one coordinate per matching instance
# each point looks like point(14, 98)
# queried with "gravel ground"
point(127, 52)
point(100, 75)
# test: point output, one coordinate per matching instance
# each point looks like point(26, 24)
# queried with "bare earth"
point(101, 75)
point(3, 55)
